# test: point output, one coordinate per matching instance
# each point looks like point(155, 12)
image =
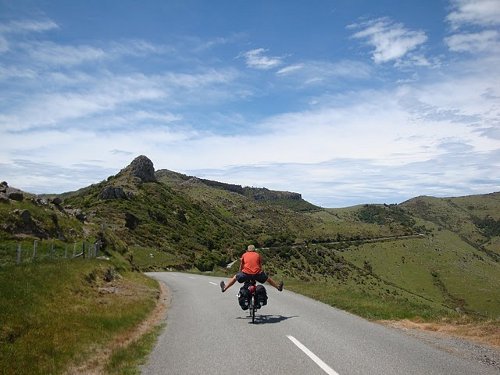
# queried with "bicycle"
point(253, 297)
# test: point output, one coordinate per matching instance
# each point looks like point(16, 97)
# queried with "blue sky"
point(345, 102)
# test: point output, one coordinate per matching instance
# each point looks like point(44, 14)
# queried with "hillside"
point(476, 219)
point(426, 257)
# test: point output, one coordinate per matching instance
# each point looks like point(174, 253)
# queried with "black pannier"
point(261, 294)
point(244, 298)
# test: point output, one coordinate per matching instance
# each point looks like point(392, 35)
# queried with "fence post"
point(35, 244)
point(83, 249)
point(74, 249)
point(52, 250)
point(18, 253)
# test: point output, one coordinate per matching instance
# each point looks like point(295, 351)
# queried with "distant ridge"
point(257, 194)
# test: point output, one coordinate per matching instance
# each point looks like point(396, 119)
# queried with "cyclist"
point(250, 268)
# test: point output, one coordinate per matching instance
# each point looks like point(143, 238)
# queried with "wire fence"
point(39, 250)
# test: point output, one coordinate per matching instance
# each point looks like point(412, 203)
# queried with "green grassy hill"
point(476, 219)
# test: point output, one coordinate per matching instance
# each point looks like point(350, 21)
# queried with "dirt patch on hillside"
point(97, 363)
point(479, 341)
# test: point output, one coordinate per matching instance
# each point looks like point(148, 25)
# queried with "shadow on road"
point(268, 319)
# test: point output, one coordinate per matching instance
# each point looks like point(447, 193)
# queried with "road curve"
point(207, 333)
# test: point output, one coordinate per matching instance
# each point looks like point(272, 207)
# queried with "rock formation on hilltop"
point(142, 168)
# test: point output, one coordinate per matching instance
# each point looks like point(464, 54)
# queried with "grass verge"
point(126, 361)
point(56, 315)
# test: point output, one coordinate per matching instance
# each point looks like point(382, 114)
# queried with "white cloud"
point(13, 72)
point(290, 69)
point(26, 26)
point(4, 45)
point(67, 55)
point(318, 72)
point(59, 55)
point(100, 94)
point(474, 12)
point(256, 59)
point(392, 41)
point(76, 99)
point(137, 47)
point(488, 40)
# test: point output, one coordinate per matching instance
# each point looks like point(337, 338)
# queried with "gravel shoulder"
point(483, 349)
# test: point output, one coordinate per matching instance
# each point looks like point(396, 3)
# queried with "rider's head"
point(251, 248)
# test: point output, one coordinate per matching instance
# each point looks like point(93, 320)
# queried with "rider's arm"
point(241, 264)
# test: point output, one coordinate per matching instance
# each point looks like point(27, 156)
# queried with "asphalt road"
point(207, 333)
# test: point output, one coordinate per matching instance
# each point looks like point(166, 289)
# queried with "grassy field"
point(57, 315)
point(150, 258)
point(439, 268)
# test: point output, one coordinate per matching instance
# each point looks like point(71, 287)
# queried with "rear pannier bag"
point(261, 294)
point(244, 298)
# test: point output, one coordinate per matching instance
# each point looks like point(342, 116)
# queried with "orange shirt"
point(251, 263)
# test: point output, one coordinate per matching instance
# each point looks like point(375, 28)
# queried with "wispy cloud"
point(4, 45)
point(319, 72)
point(467, 18)
point(290, 69)
point(391, 41)
point(60, 55)
point(51, 96)
point(41, 176)
point(257, 59)
point(474, 12)
point(27, 26)
point(474, 42)
point(97, 95)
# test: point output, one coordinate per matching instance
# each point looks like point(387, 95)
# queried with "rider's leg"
point(273, 283)
point(230, 283)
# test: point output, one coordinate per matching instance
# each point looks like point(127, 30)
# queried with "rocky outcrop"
point(26, 217)
point(141, 168)
point(113, 192)
point(15, 195)
point(57, 201)
point(8, 193)
point(27, 224)
point(131, 221)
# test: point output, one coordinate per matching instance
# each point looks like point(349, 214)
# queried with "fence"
point(46, 250)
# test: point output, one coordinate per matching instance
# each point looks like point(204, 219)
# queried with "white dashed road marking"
point(313, 356)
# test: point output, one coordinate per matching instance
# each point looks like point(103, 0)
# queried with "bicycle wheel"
point(252, 309)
